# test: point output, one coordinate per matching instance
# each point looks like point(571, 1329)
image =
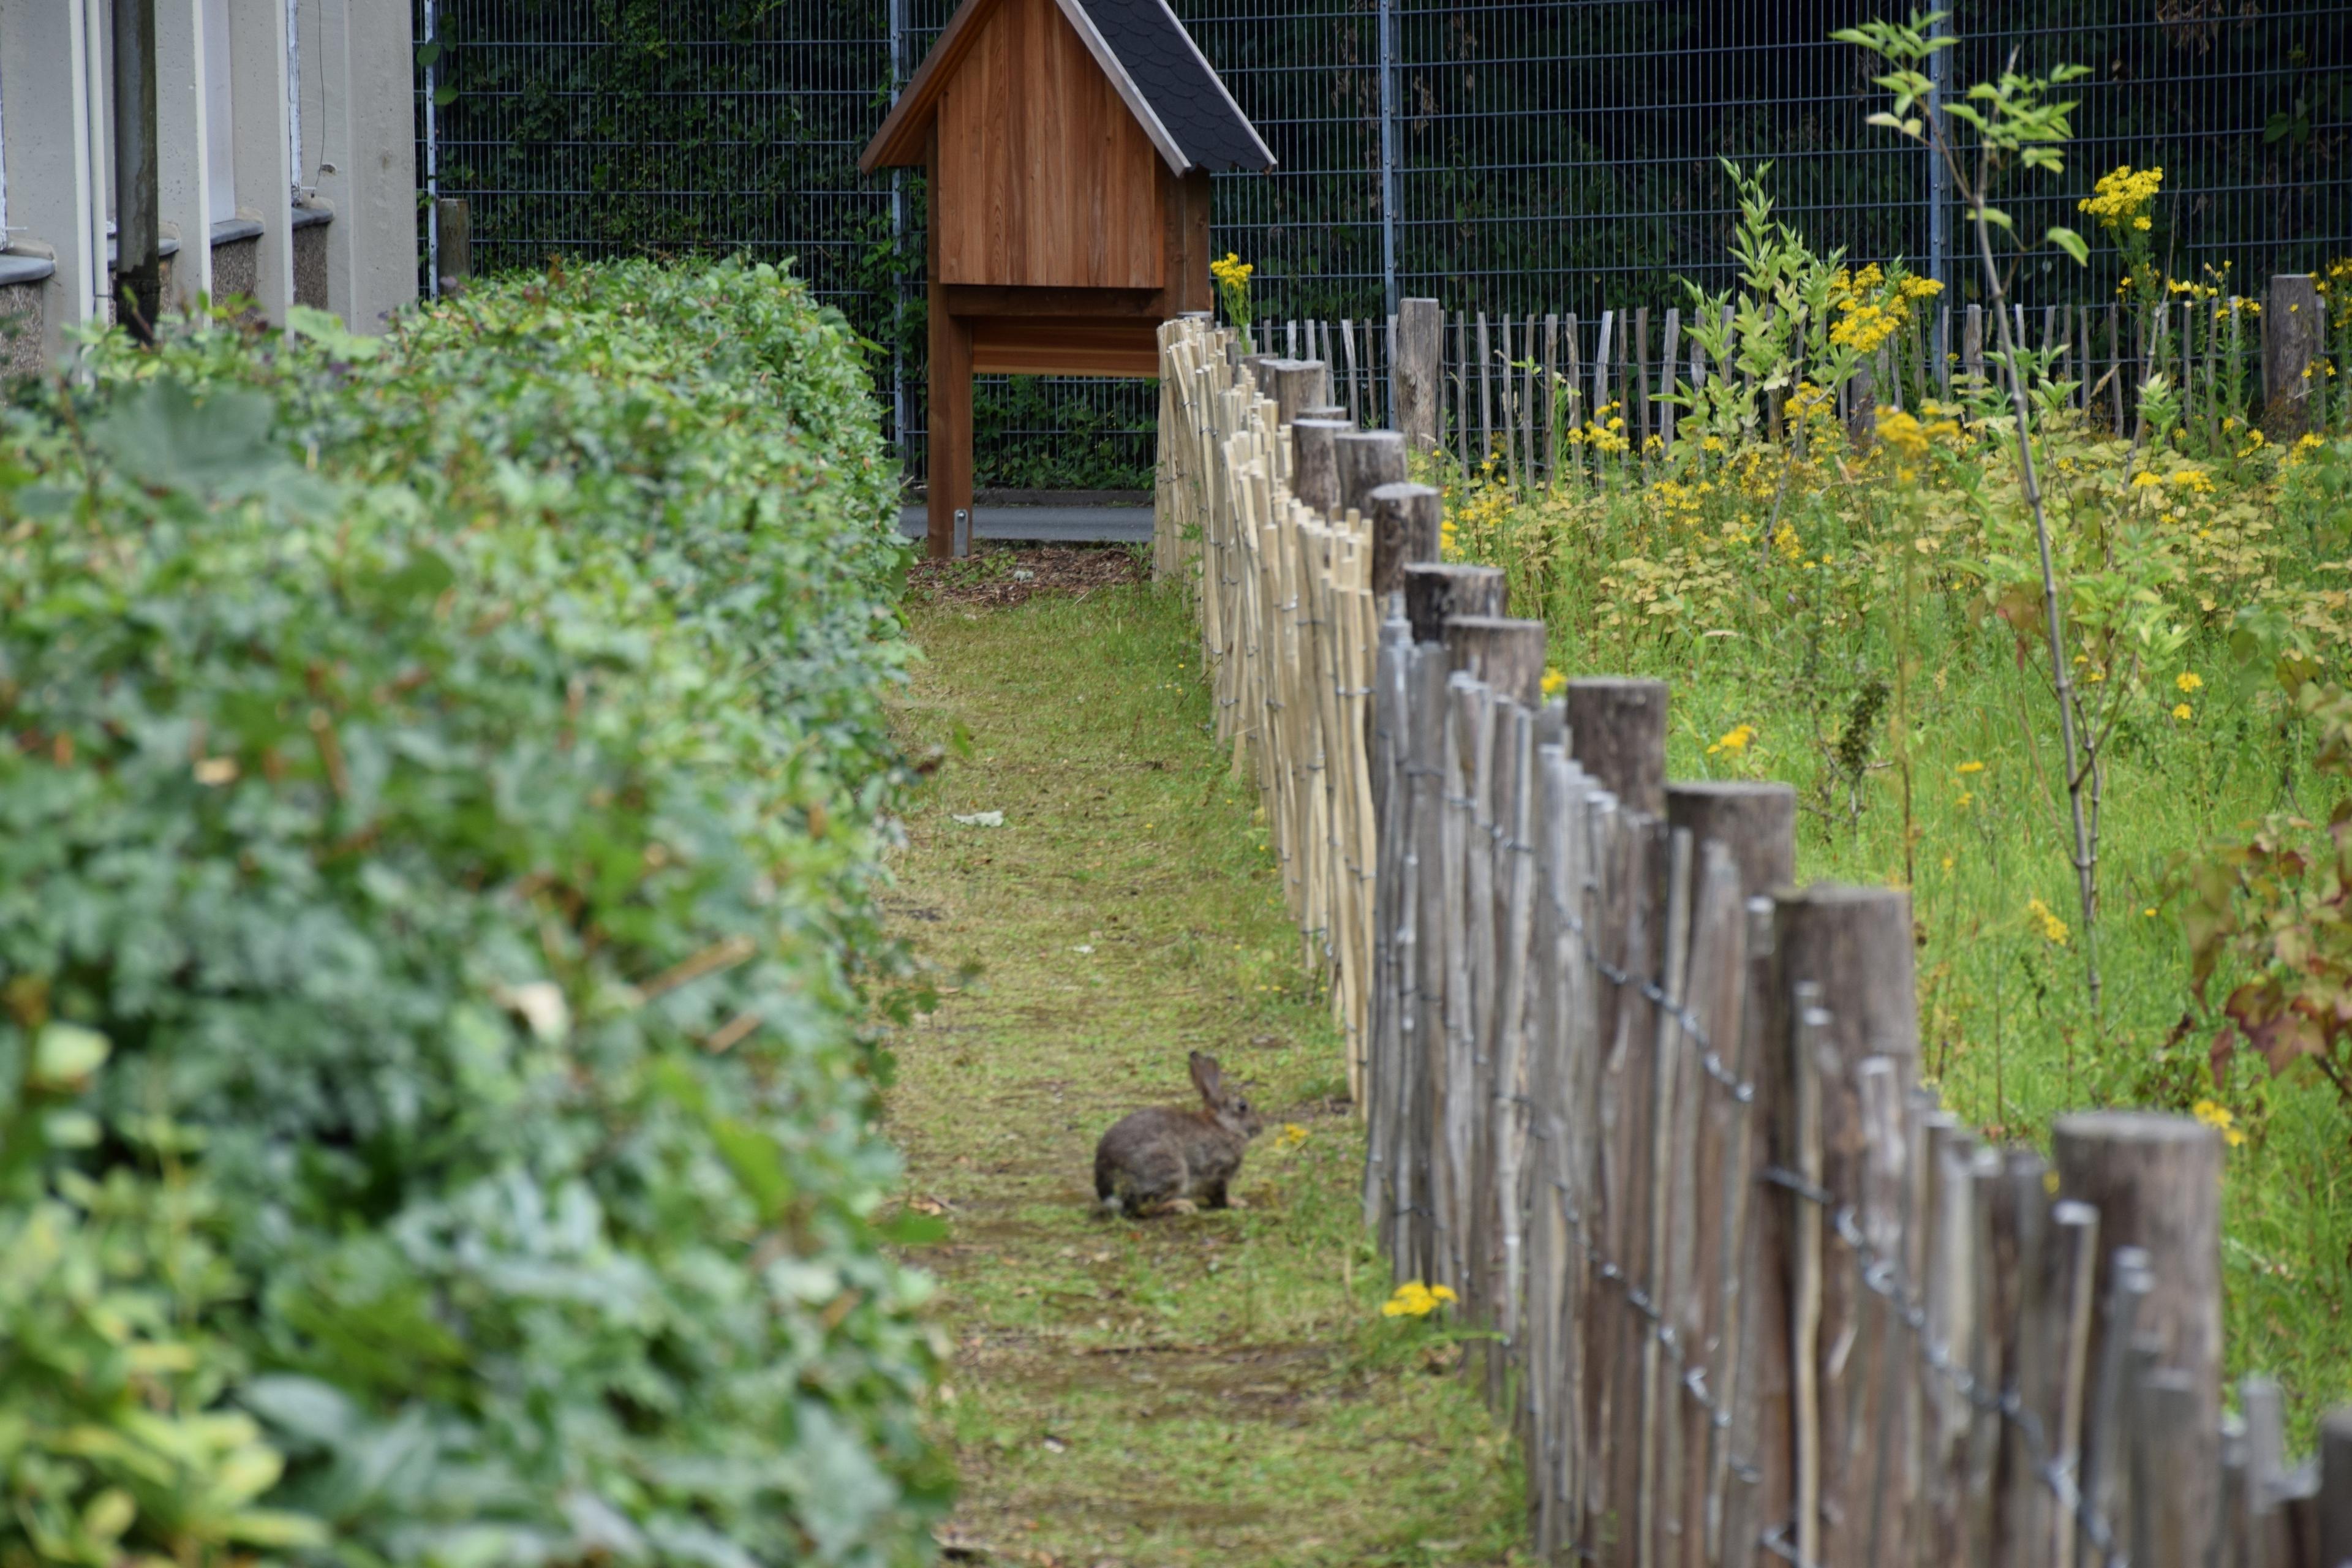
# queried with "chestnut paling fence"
point(1744, 1292)
point(1521, 399)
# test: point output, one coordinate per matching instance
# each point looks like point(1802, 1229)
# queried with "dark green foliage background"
point(451, 773)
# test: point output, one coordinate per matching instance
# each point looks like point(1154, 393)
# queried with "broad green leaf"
point(2072, 243)
point(65, 1055)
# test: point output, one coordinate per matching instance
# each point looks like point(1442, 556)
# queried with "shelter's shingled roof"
point(1175, 78)
point(1160, 74)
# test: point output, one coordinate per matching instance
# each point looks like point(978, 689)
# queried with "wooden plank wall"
point(1065, 191)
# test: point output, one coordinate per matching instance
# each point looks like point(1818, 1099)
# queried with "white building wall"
point(244, 89)
point(44, 66)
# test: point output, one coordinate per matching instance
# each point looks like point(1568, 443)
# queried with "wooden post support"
point(947, 478)
point(2336, 1487)
point(455, 221)
point(1327, 411)
point(2156, 1181)
point(1507, 654)
point(1972, 344)
point(1617, 732)
point(1315, 463)
point(1435, 592)
point(1406, 521)
point(1368, 460)
point(1420, 361)
point(2291, 353)
point(1755, 821)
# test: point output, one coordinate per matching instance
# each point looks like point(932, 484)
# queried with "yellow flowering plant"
point(1414, 1300)
point(1233, 275)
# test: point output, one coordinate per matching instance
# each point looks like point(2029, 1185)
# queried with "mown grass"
point(1217, 1388)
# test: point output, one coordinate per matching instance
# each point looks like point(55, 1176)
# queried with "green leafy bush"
point(448, 771)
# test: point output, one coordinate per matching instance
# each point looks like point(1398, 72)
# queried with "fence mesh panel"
point(1509, 156)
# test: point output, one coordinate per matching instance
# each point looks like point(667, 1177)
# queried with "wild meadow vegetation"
point(440, 812)
point(2082, 689)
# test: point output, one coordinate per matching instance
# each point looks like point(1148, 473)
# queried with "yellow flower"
point(1554, 683)
point(2121, 199)
point(2182, 711)
point(2196, 479)
point(1414, 1300)
point(2188, 680)
point(2220, 1117)
point(2053, 929)
point(1734, 740)
point(1902, 432)
point(1947, 862)
point(2146, 480)
point(1969, 768)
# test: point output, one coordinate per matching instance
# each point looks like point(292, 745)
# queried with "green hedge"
point(439, 812)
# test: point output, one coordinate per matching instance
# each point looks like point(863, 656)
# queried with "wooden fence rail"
point(1744, 1292)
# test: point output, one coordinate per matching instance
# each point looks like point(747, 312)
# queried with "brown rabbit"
point(1163, 1159)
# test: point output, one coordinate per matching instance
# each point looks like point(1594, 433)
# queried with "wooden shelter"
point(1069, 144)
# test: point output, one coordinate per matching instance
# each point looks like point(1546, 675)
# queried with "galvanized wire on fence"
point(1509, 156)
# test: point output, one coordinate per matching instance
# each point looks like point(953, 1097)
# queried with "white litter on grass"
point(1084, 947)
point(1023, 575)
point(982, 819)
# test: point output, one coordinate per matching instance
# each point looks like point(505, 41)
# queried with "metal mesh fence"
point(1505, 155)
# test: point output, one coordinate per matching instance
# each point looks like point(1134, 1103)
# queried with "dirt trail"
point(1218, 1388)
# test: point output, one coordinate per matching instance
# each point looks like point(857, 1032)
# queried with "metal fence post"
point(1388, 24)
point(1940, 178)
point(432, 163)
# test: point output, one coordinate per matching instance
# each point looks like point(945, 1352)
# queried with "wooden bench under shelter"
point(1069, 146)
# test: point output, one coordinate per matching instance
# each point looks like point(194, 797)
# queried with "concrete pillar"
point(183, 134)
point(45, 75)
point(263, 163)
point(358, 137)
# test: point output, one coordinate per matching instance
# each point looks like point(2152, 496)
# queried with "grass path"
point(1216, 1388)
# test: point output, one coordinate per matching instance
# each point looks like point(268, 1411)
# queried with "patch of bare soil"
point(997, 577)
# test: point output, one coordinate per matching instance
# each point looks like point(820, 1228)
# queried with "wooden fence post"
point(1757, 822)
point(1420, 362)
point(1297, 384)
point(1505, 654)
point(2336, 1489)
point(1368, 460)
point(1435, 592)
point(2156, 1181)
point(2291, 350)
point(1617, 732)
point(1407, 520)
point(1315, 463)
point(1855, 946)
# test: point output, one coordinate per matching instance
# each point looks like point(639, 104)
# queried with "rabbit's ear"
point(1206, 1077)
